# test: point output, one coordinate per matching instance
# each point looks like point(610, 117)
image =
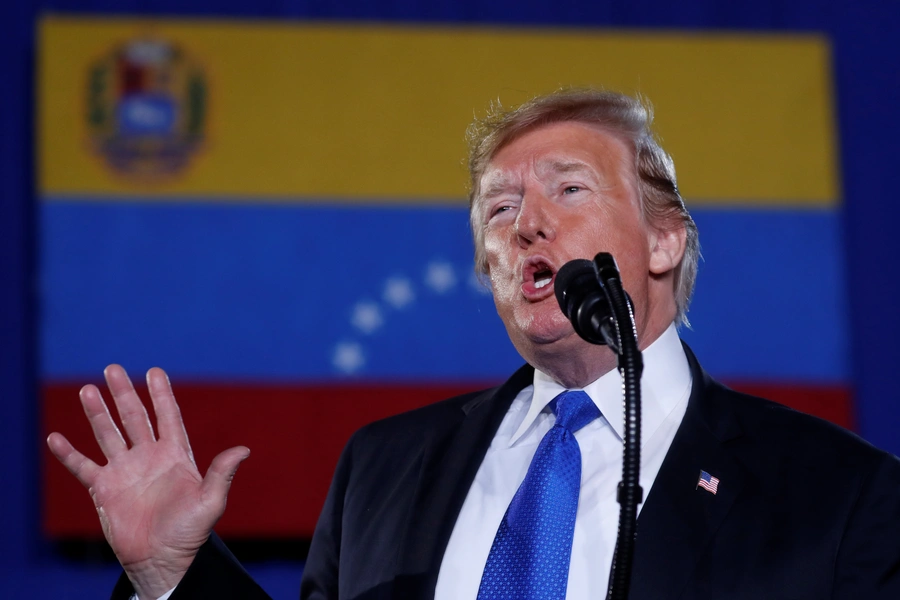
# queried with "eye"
point(571, 189)
point(502, 208)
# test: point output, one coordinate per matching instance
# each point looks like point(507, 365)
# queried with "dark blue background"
point(867, 69)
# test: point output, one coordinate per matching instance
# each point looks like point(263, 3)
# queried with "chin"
point(543, 330)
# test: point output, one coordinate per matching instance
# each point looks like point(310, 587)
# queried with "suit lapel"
point(680, 519)
point(450, 461)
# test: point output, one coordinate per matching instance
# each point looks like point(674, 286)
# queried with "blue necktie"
point(529, 559)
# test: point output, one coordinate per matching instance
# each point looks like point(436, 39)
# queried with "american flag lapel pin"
point(708, 482)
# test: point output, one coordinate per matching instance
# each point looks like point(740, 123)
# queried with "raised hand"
point(155, 508)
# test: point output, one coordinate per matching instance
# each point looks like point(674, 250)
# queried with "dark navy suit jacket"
point(804, 509)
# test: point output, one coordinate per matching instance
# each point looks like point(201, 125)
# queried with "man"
point(744, 498)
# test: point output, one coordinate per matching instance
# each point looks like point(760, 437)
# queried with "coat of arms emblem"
point(146, 108)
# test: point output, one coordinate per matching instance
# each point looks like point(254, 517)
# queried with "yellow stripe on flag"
point(376, 113)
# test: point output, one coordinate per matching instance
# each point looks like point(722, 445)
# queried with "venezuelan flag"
point(276, 214)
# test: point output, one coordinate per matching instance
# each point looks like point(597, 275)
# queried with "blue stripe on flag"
point(232, 291)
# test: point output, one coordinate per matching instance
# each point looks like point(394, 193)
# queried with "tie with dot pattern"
point(529, 559)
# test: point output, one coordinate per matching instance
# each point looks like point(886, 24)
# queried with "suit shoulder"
point(425, 419)
point(802, 434)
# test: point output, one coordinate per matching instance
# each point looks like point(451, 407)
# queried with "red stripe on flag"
point(295, 434)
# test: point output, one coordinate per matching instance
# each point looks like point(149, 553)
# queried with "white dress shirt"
point(665, 389)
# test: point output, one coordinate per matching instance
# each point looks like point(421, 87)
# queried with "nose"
point(536, 220)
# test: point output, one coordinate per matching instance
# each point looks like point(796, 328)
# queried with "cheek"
point(503, 284)
point(495, 257)
point(629, 245)
point(504, 281)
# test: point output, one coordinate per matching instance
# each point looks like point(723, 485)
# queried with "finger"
point(131, 410)
point(169, 423)
point(219, 476)
point(108, 436)
point(83, 468)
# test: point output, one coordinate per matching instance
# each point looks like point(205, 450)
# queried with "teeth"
point(541, 283)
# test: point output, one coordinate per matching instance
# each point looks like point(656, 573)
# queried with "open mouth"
point(543, 278)
point(537, 277)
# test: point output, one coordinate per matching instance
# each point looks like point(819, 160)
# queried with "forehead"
point(563, 147)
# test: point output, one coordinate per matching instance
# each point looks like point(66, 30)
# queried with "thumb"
point(220, 473)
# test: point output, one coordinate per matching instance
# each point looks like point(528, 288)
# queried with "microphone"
point(583, 301)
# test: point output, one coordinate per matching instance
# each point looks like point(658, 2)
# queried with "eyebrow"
point(559, 166)
point(496, 185)
point(501, 183)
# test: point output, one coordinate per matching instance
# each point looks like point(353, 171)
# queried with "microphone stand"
point(631, 365)
point(590, 294)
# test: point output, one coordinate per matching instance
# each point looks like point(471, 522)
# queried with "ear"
point(666, 249)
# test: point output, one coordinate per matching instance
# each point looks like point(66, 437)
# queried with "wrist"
point(154, 580)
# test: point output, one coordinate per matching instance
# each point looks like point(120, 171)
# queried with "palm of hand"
point(155, 508)
point(148, 500)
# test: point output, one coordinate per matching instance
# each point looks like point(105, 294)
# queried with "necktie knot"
point(574, 410)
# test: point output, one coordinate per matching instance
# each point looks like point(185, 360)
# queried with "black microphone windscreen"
point(568, 279)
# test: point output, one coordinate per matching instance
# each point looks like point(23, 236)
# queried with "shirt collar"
point(665, 381)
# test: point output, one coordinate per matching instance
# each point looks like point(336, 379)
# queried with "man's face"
point(559, 192)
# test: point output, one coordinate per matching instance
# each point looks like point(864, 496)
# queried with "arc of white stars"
point(368, 316)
